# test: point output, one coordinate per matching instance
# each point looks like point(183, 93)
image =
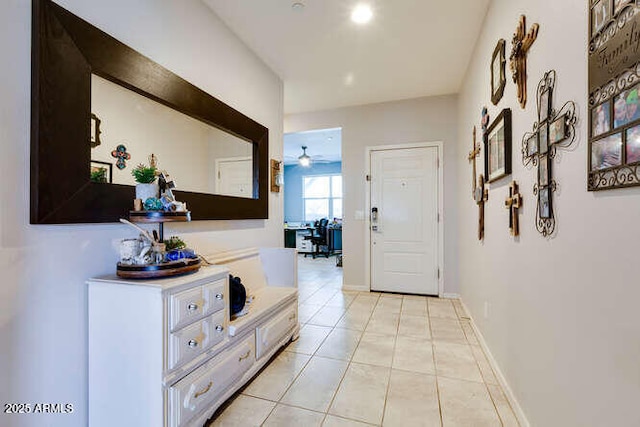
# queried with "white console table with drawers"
point(166, 353)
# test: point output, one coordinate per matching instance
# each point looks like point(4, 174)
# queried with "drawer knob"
point(244, 356)
point(203, 391)
point(192, 306)
point(193, 343)
point(218, 296)
point(219, 328)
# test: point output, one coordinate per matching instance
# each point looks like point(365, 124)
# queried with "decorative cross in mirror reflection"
point(121, 155)
point(513, 203)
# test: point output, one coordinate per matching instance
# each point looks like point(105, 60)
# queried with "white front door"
point(235, 177)
point(404, 220)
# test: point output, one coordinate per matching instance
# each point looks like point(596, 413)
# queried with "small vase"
point(144, 191)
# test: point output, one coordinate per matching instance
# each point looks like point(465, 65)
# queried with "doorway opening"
point(313, 190)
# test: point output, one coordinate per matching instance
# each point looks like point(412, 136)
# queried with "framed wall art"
point(614, 95)
point(498, 78)
point(497, 147)
point(101, 172)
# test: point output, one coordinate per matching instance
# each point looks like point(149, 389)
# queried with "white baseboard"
point(451, 296)
point(517, 409)
point(353, 288)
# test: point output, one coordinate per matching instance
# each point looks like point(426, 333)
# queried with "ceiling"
point(411, 48)
point(323, 146)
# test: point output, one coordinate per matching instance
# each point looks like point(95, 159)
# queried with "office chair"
point(318, 237)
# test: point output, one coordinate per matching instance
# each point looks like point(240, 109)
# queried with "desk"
point(294, 238)
point(334, 239)
point(289, 238)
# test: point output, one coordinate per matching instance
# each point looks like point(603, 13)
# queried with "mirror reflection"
point(126, 128)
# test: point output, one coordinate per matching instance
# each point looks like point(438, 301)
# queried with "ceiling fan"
point(305, 160)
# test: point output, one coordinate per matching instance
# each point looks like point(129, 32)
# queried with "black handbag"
point(238, 294)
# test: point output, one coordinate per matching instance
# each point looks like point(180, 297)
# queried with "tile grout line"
point(457, 317)
point(279, 402)
point(322, 343)
point(349, 365)
point(477, 363)
point(486, 385)
point(484, 382)
point(435, 366)
point(371, 309)
point(393, 355)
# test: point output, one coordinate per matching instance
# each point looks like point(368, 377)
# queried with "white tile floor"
point(372, 359)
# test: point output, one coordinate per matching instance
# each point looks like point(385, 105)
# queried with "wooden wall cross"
point(513, 203)
point(475, 152)
point(481, 195)
point(520, 45)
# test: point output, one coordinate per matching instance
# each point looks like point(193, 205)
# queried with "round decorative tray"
point(153, 271)
point(159, 216)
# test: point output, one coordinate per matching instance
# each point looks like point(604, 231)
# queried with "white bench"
point(270, 276)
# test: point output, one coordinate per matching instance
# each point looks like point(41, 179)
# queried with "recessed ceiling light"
point(348, 79)
point(361, 14)
point(297, 6)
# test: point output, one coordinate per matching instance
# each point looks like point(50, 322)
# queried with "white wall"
point(43, 356)
point(416, 120)
point(562, 320)
point(185, 147)
point(143, 126)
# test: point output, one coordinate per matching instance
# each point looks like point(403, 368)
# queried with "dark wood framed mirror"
point(66, 52)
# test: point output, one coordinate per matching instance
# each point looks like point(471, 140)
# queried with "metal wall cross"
point(553, 130)
point(513, 203)
point(520, 45)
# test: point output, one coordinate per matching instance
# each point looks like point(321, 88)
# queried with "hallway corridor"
point(372, 359)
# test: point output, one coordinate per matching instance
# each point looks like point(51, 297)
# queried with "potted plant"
point(145, 176)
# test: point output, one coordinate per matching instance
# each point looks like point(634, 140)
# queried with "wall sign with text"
point(614, 102)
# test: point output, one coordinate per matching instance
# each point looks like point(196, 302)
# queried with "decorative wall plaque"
point(276, 175)
point(498, 79)
point(614, 86)
point(553, 130)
